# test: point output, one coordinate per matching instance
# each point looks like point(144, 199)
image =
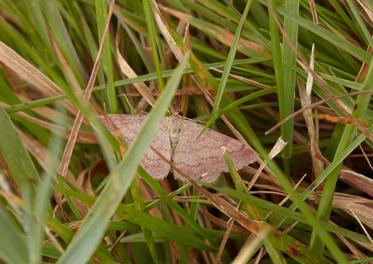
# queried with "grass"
point(239, 66)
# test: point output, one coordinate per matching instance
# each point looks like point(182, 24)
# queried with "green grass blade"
point(287, 89)
point(153, 41)
point(230, 59)
point(107, 61)
point(276, 52)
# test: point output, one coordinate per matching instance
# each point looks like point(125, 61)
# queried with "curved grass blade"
point(230, 59)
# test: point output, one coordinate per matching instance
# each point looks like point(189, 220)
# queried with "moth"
point(179, 146)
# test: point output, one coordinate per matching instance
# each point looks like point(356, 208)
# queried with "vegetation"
point(269, 72)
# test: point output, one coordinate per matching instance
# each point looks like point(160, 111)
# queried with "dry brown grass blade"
point(367, 10)
point(229, 226)
point(69, 74)
point(183, 103)
point(277, 148)
point(355, 251)
point(243, 79)
point(30, 74)
point(162, 25)
point(85, 178)
point(263, 176)
point(250, 246)
point(223, 224)
point(315, 17)
point(366, 158)
point(352, 205)
point(357, 218)
point(321, 102)
point(64, 164)
point(14, 200)
point(141, 87)
point(358, 181)
point(221, 34)
point(305, 98)
point(231, 211)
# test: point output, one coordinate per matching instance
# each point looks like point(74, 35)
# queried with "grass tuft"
point(261, 71)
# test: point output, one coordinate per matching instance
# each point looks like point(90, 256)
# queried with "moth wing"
point(129, 126)
point(201, 157)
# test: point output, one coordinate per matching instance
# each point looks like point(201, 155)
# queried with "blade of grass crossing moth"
point(286, 103)
point(42, 203)
point(325, 204)
point(153, 41)
point(230, 59)
point(107, 62)
point(235, 104)
point(21, 169)
point(93, 228)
